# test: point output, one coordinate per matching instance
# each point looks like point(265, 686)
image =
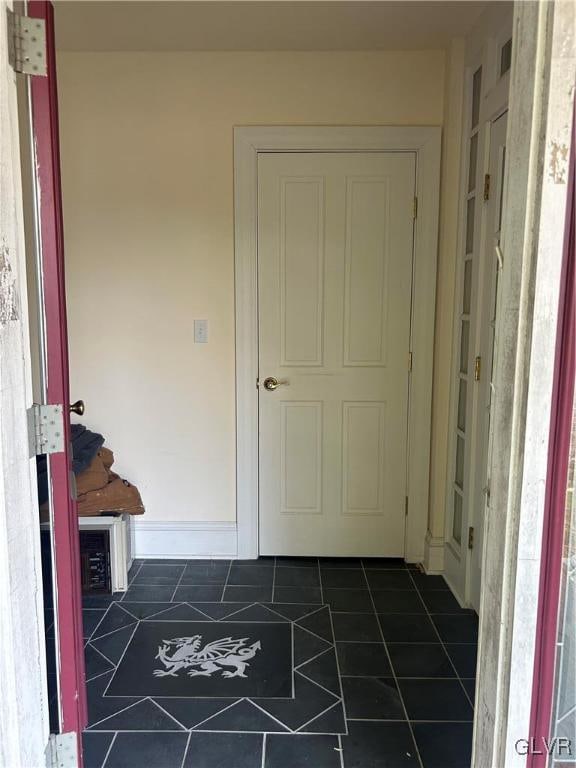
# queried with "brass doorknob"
point(77, 408)
point(272, 383)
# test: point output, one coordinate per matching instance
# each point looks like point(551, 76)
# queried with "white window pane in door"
point(459, 474)
point(506, 57)
point(472, 165)
point(462, 394)
point(470, 225)
point(476, 93)
point(467, 292)
point(501, 187)
point(457, 518)
point(464, 345)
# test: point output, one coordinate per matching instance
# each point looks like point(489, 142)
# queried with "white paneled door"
point(335, 245)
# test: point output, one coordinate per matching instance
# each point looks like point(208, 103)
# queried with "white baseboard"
point(433, 554)
point(155, 539)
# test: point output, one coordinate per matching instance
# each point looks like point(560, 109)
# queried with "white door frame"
point(248, 143)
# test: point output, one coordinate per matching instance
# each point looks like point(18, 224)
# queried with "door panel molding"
point(249, 142)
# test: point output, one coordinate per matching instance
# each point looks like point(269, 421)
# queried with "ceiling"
point(219, 25)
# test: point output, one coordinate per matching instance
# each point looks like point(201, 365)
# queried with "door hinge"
point(258, 382)
point(477, 368)
point(471, 538)
point(46, 429)
point(415, 209)
point(406, 506)
point(27, 44)
point(487, 186)
point(410, 361)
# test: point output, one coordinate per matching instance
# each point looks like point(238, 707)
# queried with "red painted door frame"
point(68, 607)
point(554, 511)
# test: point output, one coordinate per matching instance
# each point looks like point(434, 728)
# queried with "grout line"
point(126, 611)
point(109, 749)
point(119, 605)
point(156, 732)
point(103, 656)
point(444, 648)
point(319, 685)
point(390, 720)
point(263, 750)
point(293, 659)
point(225, 584)
point(393, 673)
point(101, 674)
point(101, 620)
point(324, 711)
point(314, 634)
point(341, 750)
point(93, 638)
point(206, 719)
point(186, 749)
point(338, 668)
point(258, 733)
point(178, 584)
point(274, 581)
point(245, 608)
point(317, 605)
point(276, 720)
point(313, 658)
point(197, 609)
point(106, 611)
point(374, 642)
point(121, 657)
point(320, 581)
point(198, 561)
point(210, 620)
point(166, 712)
point(401, 677)
point(109, 717)
point(136, 574)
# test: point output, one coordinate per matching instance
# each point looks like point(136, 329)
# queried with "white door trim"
point(248, 143)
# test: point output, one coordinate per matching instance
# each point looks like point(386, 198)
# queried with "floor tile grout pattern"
point(405, 660)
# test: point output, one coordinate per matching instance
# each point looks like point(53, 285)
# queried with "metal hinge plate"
point(477, 368)
point(27, 44)
point(415, 210)
point(470, 538)
point(62, 751)
point(406, 506)
point(46, 429)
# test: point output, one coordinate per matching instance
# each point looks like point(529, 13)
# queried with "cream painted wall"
point(147, 178)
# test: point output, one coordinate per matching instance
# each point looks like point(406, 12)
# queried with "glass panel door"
point(464, 368)
point(494, 195)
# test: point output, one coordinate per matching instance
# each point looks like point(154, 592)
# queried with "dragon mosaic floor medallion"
point(190, 654)
point(206, 658)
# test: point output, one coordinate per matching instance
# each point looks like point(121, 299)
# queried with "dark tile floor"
point(348, 664)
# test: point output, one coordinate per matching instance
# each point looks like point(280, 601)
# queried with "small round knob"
point(78, 408)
